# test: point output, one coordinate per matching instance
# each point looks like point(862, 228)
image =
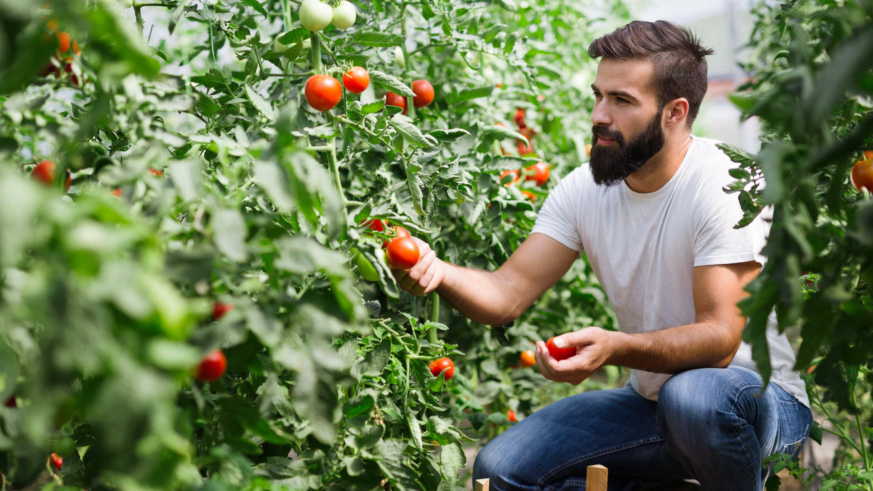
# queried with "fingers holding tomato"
point(425, 276)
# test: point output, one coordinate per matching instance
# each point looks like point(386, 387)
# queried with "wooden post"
point(596, 479)
point(482, 485)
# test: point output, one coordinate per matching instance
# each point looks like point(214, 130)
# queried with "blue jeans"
point(708, 424)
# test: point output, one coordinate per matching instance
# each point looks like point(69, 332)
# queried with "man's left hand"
point(594, 346)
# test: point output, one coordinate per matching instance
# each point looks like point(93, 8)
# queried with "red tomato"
point(524, 147)
point(323, 92)
point(499, 86)
point(519, 118)
point(559, 353)
point(57, 462)
point(423, 93)
point(212, 367)
point(508, 172)
point(527, 359)
point(44, 172)
point(116, 192)
point(219, 309)
point(156, 172)
point(392, 99)
point(510, 415)
point(397, 231)
point(375, 225)
point(63, 42)
point(529, 195)
point(862, 175)
point(403, 252)
point(438, 366)
point(356, 80)
point(538, 172)
point(10, 402)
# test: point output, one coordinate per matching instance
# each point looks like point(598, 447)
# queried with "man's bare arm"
point(712, 341)
point(493, 298)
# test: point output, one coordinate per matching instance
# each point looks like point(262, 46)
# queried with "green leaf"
point(257, 6)
point(294, 35)
point(452, 461)
point(391, 83)
point(409, 131)
point(474, 93)
point(449, 135)
point(260, 103)
point(229, 230)
point(377, 39)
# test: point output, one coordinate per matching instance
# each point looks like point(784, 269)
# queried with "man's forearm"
point(482, 296)
point(672, 350)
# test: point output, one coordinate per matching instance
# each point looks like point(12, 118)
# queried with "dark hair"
point(678, 57)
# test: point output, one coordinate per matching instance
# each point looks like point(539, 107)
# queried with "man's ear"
point(676, 112)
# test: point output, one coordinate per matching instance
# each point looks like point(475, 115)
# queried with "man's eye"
point(622, 100)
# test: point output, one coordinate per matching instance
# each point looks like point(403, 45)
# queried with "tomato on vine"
point(527, 359)
point(344, 15)
point(529, 195)
point(356, 80)
point(507, 172)
point(524, 147)
point(519, 118)
point(57, 462)
point(156, 172)
point(396, 231)
point(862, 174)
point(392, 99)
point(219, 309)
point(315, 15)
point(323, 92)
point(442, 364)
point(44, 172)
point(212, 367)
point(510, 415)
point(403, 252)
point(559, 353)
point(538, 173)
point(423, 93)
point(374, 225)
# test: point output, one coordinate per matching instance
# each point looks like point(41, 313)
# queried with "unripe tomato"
point(356, 80)
point(365, 267)
point(156, 172)
point(392, 99)
point(315, 15)
point(519, 118)
point(423, 93)
point(862, 175)
point(57, 462)
point(219, 309)
point(529, 195)
point(527, 359)
point(442, 364)
point(212, 367)
point(508, 172)
point(344, 16)
point(403, 252)
point(510, 415)
point(539, 173)
point(559, 353)
point(323, 92)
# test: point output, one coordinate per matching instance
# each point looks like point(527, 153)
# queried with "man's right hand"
point(425, 276)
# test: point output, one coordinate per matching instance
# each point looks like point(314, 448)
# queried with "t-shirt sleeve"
point(716, 241)
point(557, 218)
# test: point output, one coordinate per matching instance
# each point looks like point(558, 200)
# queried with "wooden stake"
point(596, 479)
point(482, 484)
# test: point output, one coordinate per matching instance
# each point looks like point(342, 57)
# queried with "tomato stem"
point(137, 11)
point(432, 335)
point(410, 107)
point(315, 41)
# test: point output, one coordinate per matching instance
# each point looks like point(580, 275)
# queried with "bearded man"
point(650, 213)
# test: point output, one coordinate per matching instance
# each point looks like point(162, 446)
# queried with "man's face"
point(626, 120)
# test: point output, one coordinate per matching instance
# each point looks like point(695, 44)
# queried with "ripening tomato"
point(57, 462)
point(345, 15)
point(315, 15)
point(116, 192)
point(212, 367)
point(519, 118)
point(442, 364)
point(523, 147)
point(862, 175)
point(392, 99)
point(538, 173)
point(356, 80)
point(527, 359)
point(403, 252)
point(156, 172)
point(219, 309)
point(510, 415)
point(559, 353)
point(323, 92)
point(529, 195)
point(423, 93)
point(506, 173)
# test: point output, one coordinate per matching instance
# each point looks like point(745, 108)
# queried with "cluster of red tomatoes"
point(63, 58)
point(324, 92)
point(400, 249)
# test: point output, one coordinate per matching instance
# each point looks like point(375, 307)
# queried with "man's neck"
point(655, 173)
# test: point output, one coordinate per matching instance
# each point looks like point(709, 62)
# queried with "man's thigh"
point(552, 448)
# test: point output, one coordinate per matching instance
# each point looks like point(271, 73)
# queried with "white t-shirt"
point(644, 248)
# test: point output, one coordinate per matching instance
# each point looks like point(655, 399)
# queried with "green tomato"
point(344, 16)
point(365, 267)
point(315, 15)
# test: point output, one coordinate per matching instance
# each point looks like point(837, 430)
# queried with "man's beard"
point(612, 164)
